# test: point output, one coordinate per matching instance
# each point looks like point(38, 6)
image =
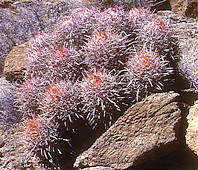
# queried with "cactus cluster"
point(90, 67)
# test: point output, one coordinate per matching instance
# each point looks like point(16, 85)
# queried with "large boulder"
point(148, 129)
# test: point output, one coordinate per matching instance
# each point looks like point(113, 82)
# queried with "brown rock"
point(192, 8)
point(15, 62)
point(13, 154)
point(1, 143)
point(1, 65)
point(178, 5)
point(192, 130)
point(186, 7)
point(148, 129)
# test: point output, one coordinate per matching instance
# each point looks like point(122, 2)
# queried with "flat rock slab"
point(148, 129)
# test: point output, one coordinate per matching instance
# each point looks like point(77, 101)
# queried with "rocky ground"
point(159, 132)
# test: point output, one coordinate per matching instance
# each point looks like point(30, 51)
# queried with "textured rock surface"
point(142, 132)
point(12, 152)
point(192, 8)
point(15, 62)
point(186, 7)
point(8, 113)
point(178, 5)
point(192, 130)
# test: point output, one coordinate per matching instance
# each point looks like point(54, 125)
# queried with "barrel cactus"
point(90, 67)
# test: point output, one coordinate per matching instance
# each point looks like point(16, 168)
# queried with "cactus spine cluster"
point(91, 66)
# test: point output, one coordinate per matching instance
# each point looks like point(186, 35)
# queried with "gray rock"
point(148, 129)
point(187, 34)
point(8, 113)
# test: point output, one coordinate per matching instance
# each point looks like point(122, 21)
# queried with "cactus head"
point(145, 71)
point(42, 138)
point(97, 91)
point(61, 102)
point(99, 52)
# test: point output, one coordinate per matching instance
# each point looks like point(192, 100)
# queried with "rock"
point(5, 46)
point(192, 130)
point(178, 6)
point(148, 129)
point(192, 8)
point(186, 31)
point(15, 63)
point(8, 113)
point(185, 7)
point(12, 153)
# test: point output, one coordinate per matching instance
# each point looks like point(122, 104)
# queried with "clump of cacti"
point(90, 68)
